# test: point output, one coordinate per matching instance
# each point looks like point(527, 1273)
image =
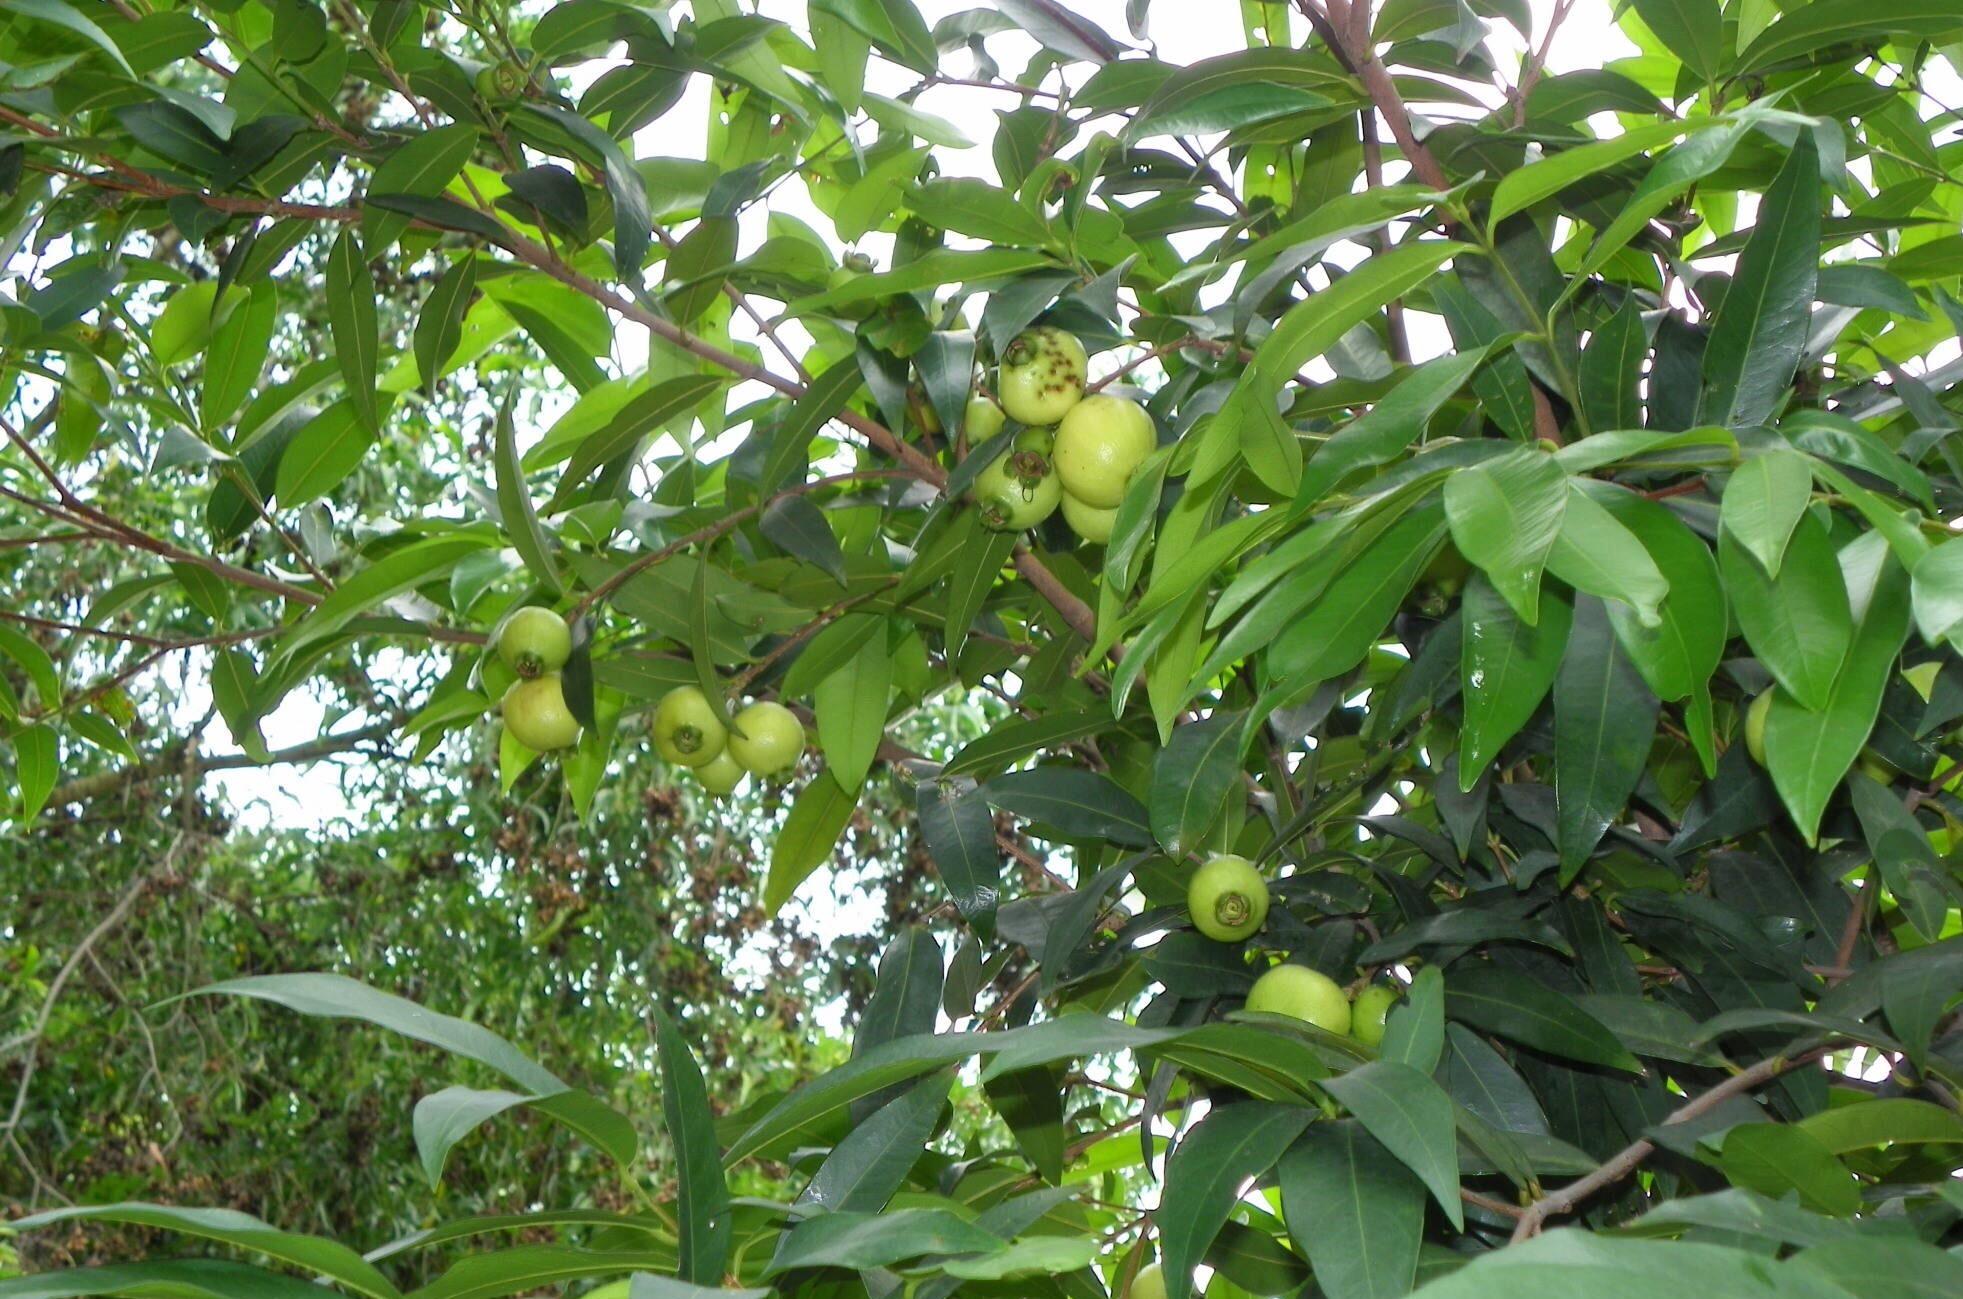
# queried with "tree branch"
point(84, 788)
point(1631, 1157)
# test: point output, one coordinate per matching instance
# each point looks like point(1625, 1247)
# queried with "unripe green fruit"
point(1301, 993)
point(687, 730)
point(535, 713)
point(721, 776)
point(1099, 445)
point(767, 739)
point(532, 640)
point(501, 81)
point(1228, 899)
point(1755, 725)
point(982, 419)
point(1150, 1283)
point(1019, 489)
point(1042, 375)
point(1372, 1008)
point(1088, 521)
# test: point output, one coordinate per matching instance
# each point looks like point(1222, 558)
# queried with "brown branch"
point(1631, 1156)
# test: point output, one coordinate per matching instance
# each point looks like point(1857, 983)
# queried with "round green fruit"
point(687, 729)
point(535, 713)
point(1042, 375)
point(767, 739)
point(532, 640)
point(1099, 445)
point(1368, 1014)
point(1088, 521)
point(720, 776)
point(1755, 725)
point(1301, 993)
point(982, 419)
point(1150, 1283)
point(501, 81)
point(1228, 899)
point(1019, 488)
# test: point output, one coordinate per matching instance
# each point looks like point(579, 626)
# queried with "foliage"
point(1457, 643)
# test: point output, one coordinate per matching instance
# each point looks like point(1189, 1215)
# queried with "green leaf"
point(422, 165)
point(1781, 1159)
point(1505, 516)
point(1409, 1114)
point(528, 1268)
point(1827, 24)
point(241, 1230)
point(177, 1278)
point(646, 1286)
point(977, 209)
point(515, 507)
point(1799, 624)
point(1533, 1014)
point(1507, 667)
point(1808, 750)
point(1521, 189)
point(1611, 371)
point(977, 564)
point(411, 566)
point(1231, 1145)
point(1595, 553)
point(810, 832)
point(790, 445)
point(237, 355)
point(1676, 171)
point(1313, 325)
point(1017, 737)
point(1763, 503)
point(799, 527)
point(1351, 614)
point(1077, 803)
point(1937, 590)
point(61, 15)
point(322, 454)
point(959, 831)
point(869, 1240)
point(851, 709)
point(870, 1165)
point(703, 1196)
point(36, 663)
point(1692, 29)
point(37, 762)
point(633, 218)
point(1761, 325)
point(1679, 653)
point(352, 319)
point(1354, 1209)
point(1604, 726)
point(645, 414)
point(934, 270)
point(442, 1119)
point(1192, 779)
point(439, 327)
point(1884, 1121)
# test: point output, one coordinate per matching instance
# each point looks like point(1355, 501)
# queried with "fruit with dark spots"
point(1042, 375)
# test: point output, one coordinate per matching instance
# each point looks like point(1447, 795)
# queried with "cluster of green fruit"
point(765, 739)
point(1075, 452)
point(1228, 901)
point(533, 644)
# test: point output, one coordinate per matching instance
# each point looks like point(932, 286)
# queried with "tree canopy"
point(1380, 619)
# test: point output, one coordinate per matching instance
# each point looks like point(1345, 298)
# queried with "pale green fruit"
point(1100, 444)
point(766, 739)
point(1301, 993)
point(720, 776)
point(535, 713)
point(532, 640)
point(687, 730)
point(1368, 1014)
point(1088, 521)
point(1227, 899)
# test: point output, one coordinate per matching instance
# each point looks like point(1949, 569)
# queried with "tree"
point(1581, 691)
